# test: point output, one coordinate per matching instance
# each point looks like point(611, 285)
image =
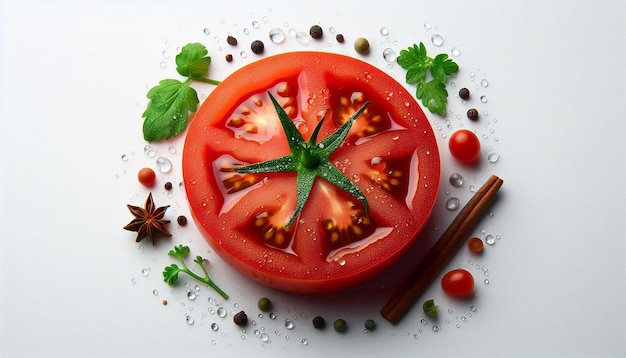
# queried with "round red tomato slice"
point(390, 154)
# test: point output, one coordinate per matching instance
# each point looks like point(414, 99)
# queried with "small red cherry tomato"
point(458, 283)
point(146, 176)
point(464, 146)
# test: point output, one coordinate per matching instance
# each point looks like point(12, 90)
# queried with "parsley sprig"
point(170, 273)
point(172, 100)
point(417, 65)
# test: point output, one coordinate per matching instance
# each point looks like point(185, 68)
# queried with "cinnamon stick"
point(441, 253)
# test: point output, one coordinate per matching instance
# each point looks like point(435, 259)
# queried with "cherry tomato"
point(458, 283)
point(464, 146)
point(390, 154)
point(146, 176)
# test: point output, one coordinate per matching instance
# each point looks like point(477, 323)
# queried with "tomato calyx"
point(309, 159)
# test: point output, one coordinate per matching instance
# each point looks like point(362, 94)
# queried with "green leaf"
point(179, 251)
point(199, 260)
point(170, 274)
point(416, 62)
point(433, 95)
point(442, 67)
point(168, 110)
point(192, 61)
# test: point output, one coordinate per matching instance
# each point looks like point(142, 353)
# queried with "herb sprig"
point(417, 65)
point(170, 273)
point(172, 100)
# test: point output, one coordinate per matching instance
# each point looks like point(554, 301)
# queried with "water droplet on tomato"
point(277, 35)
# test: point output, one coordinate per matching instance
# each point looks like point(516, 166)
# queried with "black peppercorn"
point(340, 38)
point(464, 93)
point(231, 40)
point(318, 322)
point(240, 319)
point(316, 32)
point(168, 186)
point(229, 58)
point(257, 47)
point(472, 114)
point(182, 220)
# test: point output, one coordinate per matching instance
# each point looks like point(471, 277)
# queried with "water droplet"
point(455, 51)
point(484, 83)
point(243, 54)
point(493, 157)
point(191, 295)
point(486, 281)
point(206, 31)
point(214, 326)
point(453, 203)
point(155, 292)
point(246, 31)
point(255, 24)
point(163, 164)
point(172, 149)
point(145, 272)
point(483, 99)
point(436, 328)
point(456, 180)
point(384, 31)
point(221, 312)
point(302, 38)
point(389, 55)
point(472, 308)
point(189, 319)
point(264, 337)
point(423, 321)
point(436, 39)
point(472, 188)
point(272, 315)
point(124, 157)
point(289, 324)
point(490, 240)
point(428, 26)
point(305, 341)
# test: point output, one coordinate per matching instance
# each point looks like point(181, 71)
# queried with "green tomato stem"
point(207, 80)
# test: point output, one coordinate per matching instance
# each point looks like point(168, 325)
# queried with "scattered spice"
point(148, 221)
point(181, 220)
point(229, 58)
point(146, 177)
point(340, 38)
point(362, 46)
point(429, 308)
point(475, 245)
point(265, 304)
point(370, 325)
point(319, 322)
point(164, 302)
point(240, 319)
point(231, 40)
point(257, 47)
point(340, 325)
point(472, 114)
point(168, 186)
point(464, 93)
point(316, 32)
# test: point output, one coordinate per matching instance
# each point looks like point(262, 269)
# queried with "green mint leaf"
point(168, 110)
point(442, 67)
point(192, 61)
point(433, 95)
point(170, 274)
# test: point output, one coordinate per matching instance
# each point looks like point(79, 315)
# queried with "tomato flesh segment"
point(269, 226)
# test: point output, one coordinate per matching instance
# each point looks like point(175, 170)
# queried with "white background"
point(74, 77)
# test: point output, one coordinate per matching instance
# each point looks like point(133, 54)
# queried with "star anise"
point(148, 221)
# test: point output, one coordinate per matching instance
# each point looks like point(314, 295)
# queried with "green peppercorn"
point(257, 46)
point(472, 114)
point(429, 308)
point(340, 325)
point(340, 38)
point(316, 32)
point(362, 46)
point(370, 325)
point(464, 93)
point(240, 319)
point(318, 322)
point(265, 304)
point(231, 40)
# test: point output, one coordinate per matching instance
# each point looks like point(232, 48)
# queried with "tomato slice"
point(390, 153)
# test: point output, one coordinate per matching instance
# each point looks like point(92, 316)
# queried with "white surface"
point(74, 77)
